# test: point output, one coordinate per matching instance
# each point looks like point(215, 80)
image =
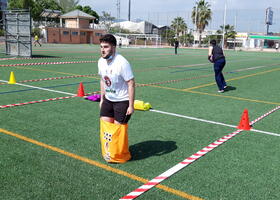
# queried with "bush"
point(36, 31)
point(2, 32)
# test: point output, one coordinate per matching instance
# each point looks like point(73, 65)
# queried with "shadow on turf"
point(229, 88)
point(147, 149)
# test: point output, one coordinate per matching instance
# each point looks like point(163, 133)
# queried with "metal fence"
point(17, 26)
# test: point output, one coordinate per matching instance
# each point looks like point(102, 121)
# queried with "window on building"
point(98, 34)
point(74, 33)
point(83, 33)
point(65, 33)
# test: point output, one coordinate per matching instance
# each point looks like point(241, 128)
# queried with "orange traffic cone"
point(244, 121)
point(81, 92)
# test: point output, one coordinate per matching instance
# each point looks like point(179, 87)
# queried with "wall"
point(65, 36)
point(84, 23)
point(71, 23)
point(53, 35)
point(74, 36)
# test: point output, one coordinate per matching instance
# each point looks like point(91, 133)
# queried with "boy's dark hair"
point(108, 38)
point(213, 42)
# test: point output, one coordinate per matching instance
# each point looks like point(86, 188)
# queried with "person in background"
point(120, 43)
point(36, 40)
point(277, 46)
point(176, 45)
point(216, 56)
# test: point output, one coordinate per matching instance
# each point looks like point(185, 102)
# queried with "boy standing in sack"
point(117, 87)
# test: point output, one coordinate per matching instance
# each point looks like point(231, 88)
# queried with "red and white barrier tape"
point(264, 115)
point(32, 102)
point(155, 181)
point(54, 57)
point(48, 63)
point(45, 100)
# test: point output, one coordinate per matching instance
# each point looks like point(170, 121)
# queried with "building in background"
point(74, 29)
point(143, 27)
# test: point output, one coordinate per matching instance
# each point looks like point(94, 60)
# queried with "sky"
point(246, 15)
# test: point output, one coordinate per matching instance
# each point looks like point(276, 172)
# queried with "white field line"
point(212, 122)
point(40, 88)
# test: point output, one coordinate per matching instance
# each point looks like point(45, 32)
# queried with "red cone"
point(81, 92)
point(244, 123)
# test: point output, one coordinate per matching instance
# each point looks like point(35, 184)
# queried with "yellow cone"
point(12, 78)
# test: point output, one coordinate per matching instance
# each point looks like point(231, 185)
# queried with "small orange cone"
point(81, 92)
point(244, 121)
point(12, 79)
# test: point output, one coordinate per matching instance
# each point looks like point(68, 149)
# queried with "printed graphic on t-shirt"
point(107, 81)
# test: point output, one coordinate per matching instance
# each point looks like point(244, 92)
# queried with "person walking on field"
point(36, 40)
point(216, 56)
point(176, 45)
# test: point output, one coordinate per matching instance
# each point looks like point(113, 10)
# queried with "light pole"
point(225, 13)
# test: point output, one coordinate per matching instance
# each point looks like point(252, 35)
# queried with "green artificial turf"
point(245, 167)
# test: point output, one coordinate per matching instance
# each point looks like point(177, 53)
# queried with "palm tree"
point(179, 26)
point(230, 33)
point(201, 15)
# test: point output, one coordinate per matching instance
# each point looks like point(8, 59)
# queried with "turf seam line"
point(165, 175)
point(54, 78)
point(44, 100)
point(40, 88)
point(211, 122)
point(47, 87)
point(232, 79)
point(38, 101)
point(55, 57)
point(47, 63)
point(98, 164)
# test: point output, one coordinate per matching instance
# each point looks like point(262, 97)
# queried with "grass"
point(60, 157)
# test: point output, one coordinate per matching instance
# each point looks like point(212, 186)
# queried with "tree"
point(35, 7)
point(230, 33)
point(20, 4)
point(186, 39)
point(40, 5)
point(88, 10)
point(208, 38)
point(179, 26)
point(168, 35)
point(67, 5)
point(106, 19)
point(201, 15)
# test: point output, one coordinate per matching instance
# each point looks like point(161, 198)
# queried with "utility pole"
point(118, 9)
point(129, 5)
point(225, 13)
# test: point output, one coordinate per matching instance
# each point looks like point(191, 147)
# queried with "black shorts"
point(116, 110)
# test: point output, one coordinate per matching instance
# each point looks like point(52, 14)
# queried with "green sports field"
point(51, 149)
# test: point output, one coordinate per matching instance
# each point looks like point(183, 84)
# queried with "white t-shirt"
point(115, 76)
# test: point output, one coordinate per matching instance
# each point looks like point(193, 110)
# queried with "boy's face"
point(106, 50)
